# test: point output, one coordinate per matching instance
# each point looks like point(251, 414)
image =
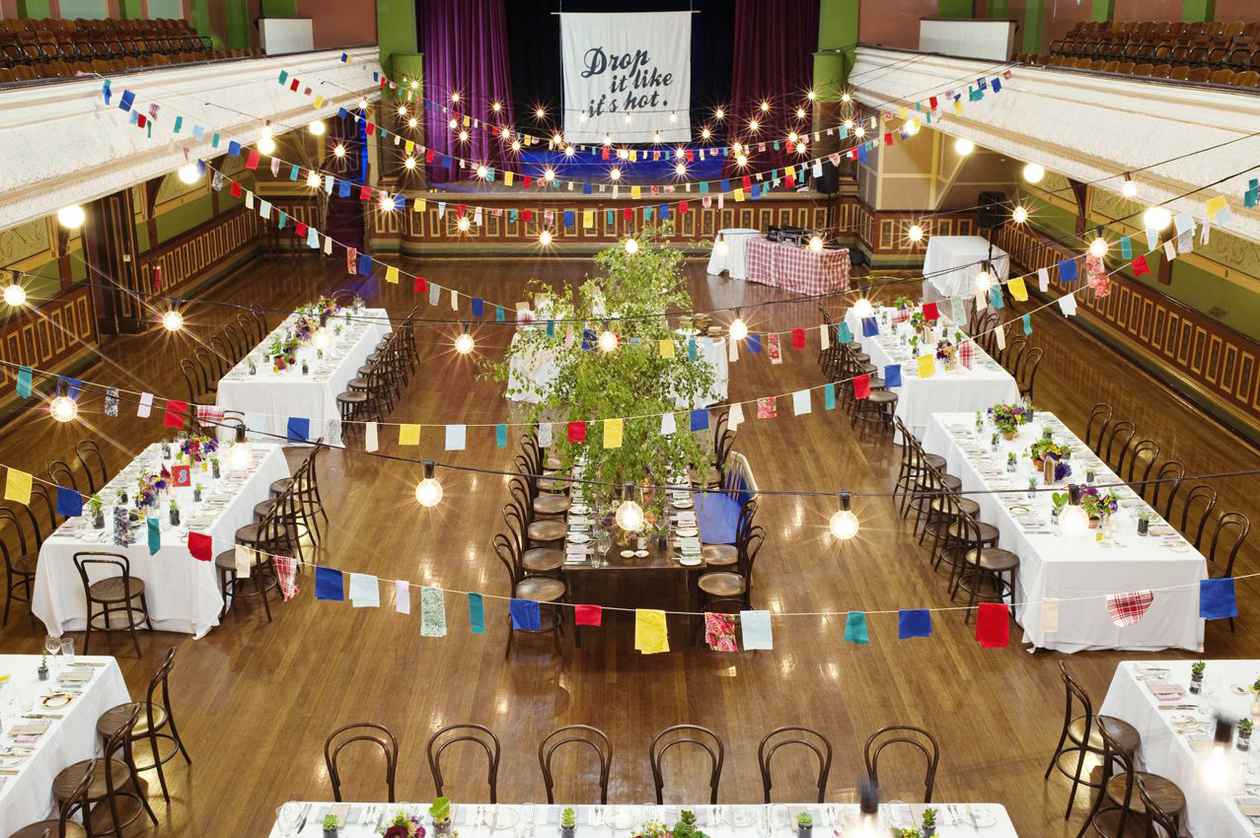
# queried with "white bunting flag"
point(801, 403)
point(668, 424)
point(435, 293)
point(1067, 303)
point(1043, 279)
point(1000, 335)
point(982, 301)
point(732, 350)
point(329, 181)
point(264, 210)
point(1152, 239)
point(244, 561)
point(365, 591)
point(1170, 251)
point(544, 435)
point(456, 437)
point(1183, 223)
point(146, 405)
point(328, 245)
point(402, 596)
point(454, 300)
point(1185, 244)
point(1049, 615)
point(735, 417)
point(249, 200)
point(275, 167)
point(370, 440)
point(824, 336)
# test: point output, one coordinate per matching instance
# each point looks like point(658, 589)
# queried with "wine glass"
point(52, 646)
point(288, 815)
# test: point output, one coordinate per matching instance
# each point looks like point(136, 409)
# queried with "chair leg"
point(262, 588)
point(131, 627)
point(157, 763)
point(144, 608)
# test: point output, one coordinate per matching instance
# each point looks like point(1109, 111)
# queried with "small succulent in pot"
point(804, 825)
point(568, 823)
point(1196, 676)
point(332, 826)
point(1245, 728)
point(440, 812)
point(929, 822)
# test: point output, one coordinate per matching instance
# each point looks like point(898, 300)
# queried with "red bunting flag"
point(1140, 267)
point(798, 338)
point(428, 155)
point(460, 210)
point(931, 312)
point(604, 155)
point(251, 161)
point(527, 214)
point(235, 190)
point(293, 85)
point(365, 193)
point(862, 386)
point(421, 285)
point(888, 140)
point(527, 182)
point(176, 415)
point(588, 615)
point(790, 181)
point(993, 625)
point(628, 214)
point(683, 206)
point(932, 102)
point(371, 128)
point(747, 181)
point(201, 546)
point(577, 432)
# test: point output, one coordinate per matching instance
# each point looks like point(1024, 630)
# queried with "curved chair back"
point(106, 561)
point(93, 462)
point(1096, 429)
point(453, 735)
point(1141, 459)
point(581, 735)
point(59, 472)
point(914, 737)
point(1164, 489)
point(798, 736)
point(1026, 372)
point(687, 735)
point(1166, 823)
point(369, 732)
point(42, 496)
point(1200, 494)
point(77, 801)
point(1121, 433)
point(1229, 522)
point(8, 516)
point(192, 378)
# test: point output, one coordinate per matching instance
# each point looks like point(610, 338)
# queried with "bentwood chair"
point(1140, 459)
point(117, 593)
point(986, 572)
point(794, 736)
point(1096, 428)
point(693, 736)
point(1165, 823)
point(19, 565)
point(913, 737)
point(367, 732)
point(115, 783)
point(262, 579)
point(93, 462)
point(581, 735)
point(1118, 438)
point(547, 591)
point(63, 826)
point(1164, 488)
point(1205, 496)
point(156, 722)
point(1026, 372)
point(1116, 808)
point(475, 734)
point(1227, 539)
point(60, 473)
point(733, 583)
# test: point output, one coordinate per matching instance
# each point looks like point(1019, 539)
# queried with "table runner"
point(183, 593)
point(794, 267)
point(1077, 572)
point(27, 797)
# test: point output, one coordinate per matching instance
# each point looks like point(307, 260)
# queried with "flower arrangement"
point(947, 353)
point(404, 826)
point(149, 487)
point(198, 447)
point(1098, 505)
point(282, 348)
point(1008, 418)
point(1043, 448)
point(651, 829)
point(686, 826)
point(903, 303)
point(304, 329)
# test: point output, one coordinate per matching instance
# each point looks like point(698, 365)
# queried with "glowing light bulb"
point(816, 244)
point(321, 339)
point(800, 113)
point(844, 524)
point(607, 340)
point(312, 179)
point(719, 114)
point(1034, 172)
point(516, 145)
point(455, 97)
point(557, 139)
point(386, 202)
point(172, 321)
point(739, 329)
point(409, 163)
point(1074, 520)
point(71, 217)
point(413, 122)
point(848, 125)
point(863, 307)
point(793, 136)
point(911, 127)
point(859, 132)
point(189, 173)
point(549, 174)
point(415, 84)
point(1156, 218)
point(429, 490)
point(14, 295)
point(983, 282)
point(569, 151)
point(846, 98)
point(765, 106)
point(680, 153)
point(464, 343)
point(363, 104)
point(706, 134)
point(544, 238)
point(963, 146)
point(915, 233)
point(463, 224)
point(680, 169)
point(540, 112)
point(629, 513)
point(402, 110)
point(339, 150)
point(741, 160)
point(63, 409)
point(1128, 189)
point(1098, 247)
point(1019, 215)
point(453, 124)
point(623, 154)
point(614, 173)
point(463, 136)
point(239, 457)
point(754, 125)
point(266, 145)
point(811, 95)
point(496, 106)
point(736, 146)
point(632, 246)
point(483, 172)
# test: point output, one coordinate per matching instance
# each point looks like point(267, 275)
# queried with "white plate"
point(579, 538)
point(687, 532)
point(690, 561)
point(682, 504)
point(627, 554)
point(640, 554)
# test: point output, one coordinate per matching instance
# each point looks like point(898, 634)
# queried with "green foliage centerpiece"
point(615, 356)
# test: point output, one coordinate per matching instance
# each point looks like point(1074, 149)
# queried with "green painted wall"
point(165, 8)
point(91, 9)
point(1103, 10)
point(396, 29)
point(837, 45)
point(182, 219)
point(998, 9)
point(1034, 22)
point(279, 8)
point(955, 8)
point(201, 19)
point(34, 8)
point(130, 9)
point(237, 24)
point(1196, 10)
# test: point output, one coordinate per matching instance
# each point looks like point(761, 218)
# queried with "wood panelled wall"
point(200, 252)
point(50, 336)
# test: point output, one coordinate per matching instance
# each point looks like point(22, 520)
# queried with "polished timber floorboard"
point(255, 700)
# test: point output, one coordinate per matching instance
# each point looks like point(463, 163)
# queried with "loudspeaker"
point(829, 183)
point(992, 210)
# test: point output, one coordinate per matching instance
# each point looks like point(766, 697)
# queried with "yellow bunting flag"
point(1214, 206)
point(391, 274)
point(612, 432)
point(739, 195)
point(508, 177)
point(18, 487)
point(634, 156)
point(319, 102)
point(958, 106)
point(901, 112)
point(467, 120)
point(635, 191)
point(1018, 289)
point(408, 434)
point(667, 347)
point(409, 147)
point(927, 366)
point(588, 218)
point(650, 634)
point(418, 205)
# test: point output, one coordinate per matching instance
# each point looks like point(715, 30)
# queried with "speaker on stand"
point(992, 212)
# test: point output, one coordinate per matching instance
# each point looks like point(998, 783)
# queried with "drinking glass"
point(67, 650)
point(288, 816)
point(52, 645)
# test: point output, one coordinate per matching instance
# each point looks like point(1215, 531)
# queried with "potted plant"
point(686, 826)
point(1245, 727)
point(440, 812)
point(97, 508)
point(1196, 676)
point(404, 826)
point(1255, 698)
point(804, 825)
point(215, 468)
point(1011, 462)
point(331, 826)
point(1143, 523)
point(197, 493)
point(174, 513)
point(568, 823)
point(929, 822)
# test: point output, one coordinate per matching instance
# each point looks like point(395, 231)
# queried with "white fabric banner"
point(635, 65)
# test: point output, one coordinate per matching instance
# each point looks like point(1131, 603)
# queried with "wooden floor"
point(255, 700)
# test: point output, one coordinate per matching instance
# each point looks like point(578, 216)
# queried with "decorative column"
point(1193, 11)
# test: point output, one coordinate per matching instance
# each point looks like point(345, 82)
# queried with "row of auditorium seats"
point(66, 69)
point(1178, 72)
point(1217, 32)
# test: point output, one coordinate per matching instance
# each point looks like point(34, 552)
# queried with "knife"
point(971, 813)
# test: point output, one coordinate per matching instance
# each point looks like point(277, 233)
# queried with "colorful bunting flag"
point(755, 626)
point(855, 629)
point(914, 622)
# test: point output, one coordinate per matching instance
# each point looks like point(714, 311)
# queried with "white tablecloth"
point(953, 820)
point(182, 593)
point(985, 384)
point(733, 258)
point(1078, 571)
point(1210, 811)
point(269, 398)
point(27, 797)
point(952, 262)
point(529, 374)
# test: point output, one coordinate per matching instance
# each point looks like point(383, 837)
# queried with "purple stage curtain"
point(465, 50)
point(773, 59)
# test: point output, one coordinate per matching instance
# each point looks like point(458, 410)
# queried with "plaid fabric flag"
point(967, 353)
point(1127, 609)
point(286, 575)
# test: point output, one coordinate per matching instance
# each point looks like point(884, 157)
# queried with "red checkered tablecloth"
point(796, 268)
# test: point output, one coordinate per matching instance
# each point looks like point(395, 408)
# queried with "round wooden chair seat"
point(262, 508)
point(1121, 731)
point(877, 383)
point(114, 718)
point(993, 559)
point(546, 530)
point(24, 565)
point(988, 532)
point(861, 358)
point(279, 487)
point(352, 397)
point(866, 369)
point(249, 534)
point(67, 780)
point(966, 504)
point(46, 829)
point(540, 589)
point(935, 461)
point(1107, 824)
point(722, 584)
point(1162, 790)
point(359, 384)
point(881, 397)
point(551, 504)
point(226, 560)
point(542, 559)
point(719, 554)
point(951, 483)
point(113, 590)
point(547, 484)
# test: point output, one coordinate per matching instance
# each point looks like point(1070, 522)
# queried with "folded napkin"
point(1166, 690)
point(1249, 806)
point(76, 676)
point(33, 727)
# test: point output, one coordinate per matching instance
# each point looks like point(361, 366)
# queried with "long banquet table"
point(183, 594)
point(984, 384)
point(1075, 571)
point(26, 779)
point(954, 820)
point(268, 398)
point(1177, 735)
